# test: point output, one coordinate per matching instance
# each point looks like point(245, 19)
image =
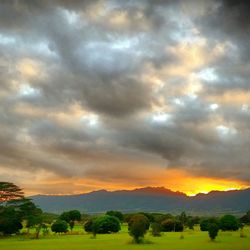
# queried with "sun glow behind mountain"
point(175, 180)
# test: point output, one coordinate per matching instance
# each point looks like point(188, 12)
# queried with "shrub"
point(138, 226)
point(213, 229)
point(242, 235)
point(229, 222)
point(60, 226)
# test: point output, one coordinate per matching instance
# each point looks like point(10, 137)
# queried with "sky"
point(115, 94)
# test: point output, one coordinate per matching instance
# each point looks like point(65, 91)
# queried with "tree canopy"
point(117, 214)
point(59, 226)
point(10, 191)
point(10, 220)
point(138, 226)
point(213, 230)
point(229, 223)
point(70, 217)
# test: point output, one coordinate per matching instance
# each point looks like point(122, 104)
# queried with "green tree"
point(172, 225)
point(10, 220)
point(31, 214)
point(117, 214)
point(106, 224)
point(16, 209)
point(213, 230)
point(70, 217)
point(59, 226)
point(88, 225)
point(246, 218)
point(191, 221)
point(156, 229)
point(138, 226)
point(183, 219)
point(229, 223)
point(204, 224)
point(49, 217)
point(10, 191)
point(159, 218)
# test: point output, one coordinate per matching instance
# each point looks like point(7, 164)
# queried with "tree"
point(183, 218)
point(70, 217)
point(17, 208)
point(191, 223)
point(106, 224)
point(206, 222)
point(172, 225)
point(159, 218)
point(59, 226)
point(156, 229)
point(30, 213)
point(229, 223)
point(88, 225)
point(149, 216)
point(213, 229)
point(246, 218)
point(10, 221)
point(138, 226)
point(9, 191)
point(117, 214)
point(49, 218)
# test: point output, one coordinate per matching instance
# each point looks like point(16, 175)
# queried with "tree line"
point(18, 212)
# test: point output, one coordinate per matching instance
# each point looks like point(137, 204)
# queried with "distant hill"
point(151, 199)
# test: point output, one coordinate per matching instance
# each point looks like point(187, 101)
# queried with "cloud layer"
point(115, 93)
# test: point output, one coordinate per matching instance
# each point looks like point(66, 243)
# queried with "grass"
point(193, 240)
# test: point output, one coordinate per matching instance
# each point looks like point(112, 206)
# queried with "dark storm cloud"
point(94, 85)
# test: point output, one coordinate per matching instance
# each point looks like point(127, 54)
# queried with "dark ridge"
point(151, 199)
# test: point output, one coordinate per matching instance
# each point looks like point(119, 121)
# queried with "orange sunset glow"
point(175, 180)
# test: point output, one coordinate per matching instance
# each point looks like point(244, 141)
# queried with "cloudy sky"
point(115, 94)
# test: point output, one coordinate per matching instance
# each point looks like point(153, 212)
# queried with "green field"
point(192, 240)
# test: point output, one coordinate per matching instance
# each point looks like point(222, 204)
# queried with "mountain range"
point(148, 199)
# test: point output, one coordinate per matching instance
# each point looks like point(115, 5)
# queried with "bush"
point(60, 226)
point(206, 222)
point(213, 229)
point(172, 225)
point(138, 226)
point(106, 224)
point(229, 223)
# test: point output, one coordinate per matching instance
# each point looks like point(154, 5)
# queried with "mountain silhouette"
point(149, 199)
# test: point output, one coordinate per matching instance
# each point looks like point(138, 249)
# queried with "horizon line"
point(140, 188)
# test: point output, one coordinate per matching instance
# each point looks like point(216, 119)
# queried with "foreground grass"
point(171, 241)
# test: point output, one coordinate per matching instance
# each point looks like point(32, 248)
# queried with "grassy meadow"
point(80, 240)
